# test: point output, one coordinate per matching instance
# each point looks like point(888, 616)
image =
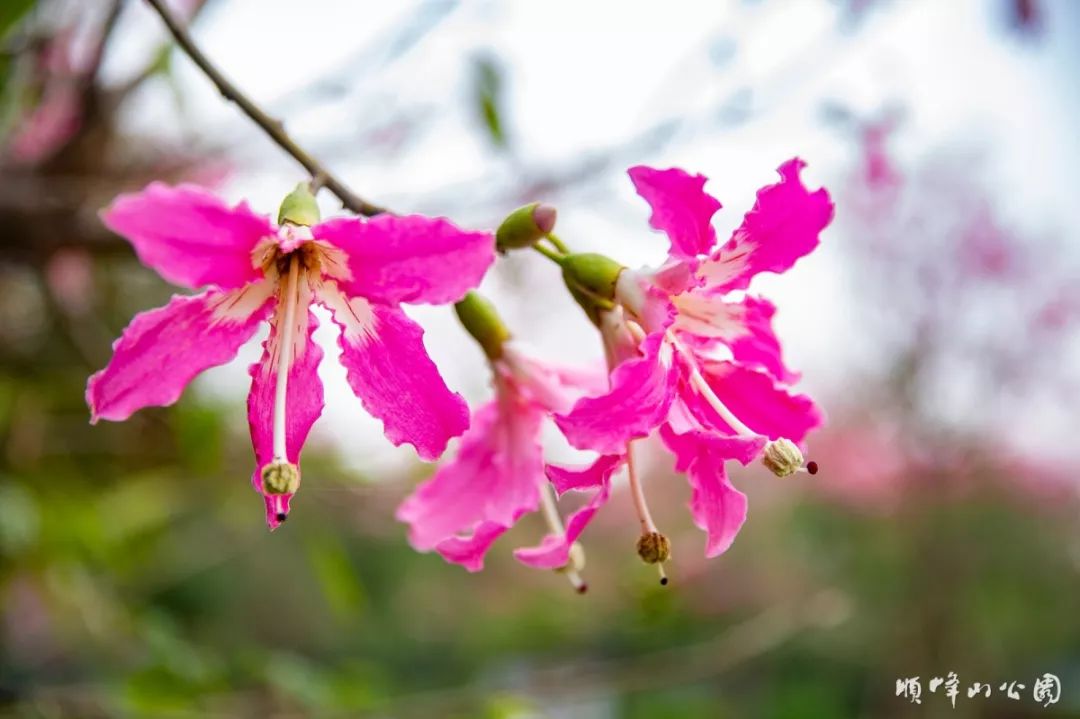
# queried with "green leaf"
point(337, 576)
point(488, 96)
point(11, 12)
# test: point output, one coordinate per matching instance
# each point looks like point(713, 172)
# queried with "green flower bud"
point(481, 320)
point(525, 226)
point(591, 280)
point(299, 207)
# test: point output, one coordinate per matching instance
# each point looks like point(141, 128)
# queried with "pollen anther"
point(654, 548)
point(782, 457)
point(280, 478)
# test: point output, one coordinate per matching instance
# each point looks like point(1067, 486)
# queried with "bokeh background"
point(937, 325)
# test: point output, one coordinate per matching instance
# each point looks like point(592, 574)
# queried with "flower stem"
point(550, 237)
point(285, 357)
point(272, 127)
point(550, 254)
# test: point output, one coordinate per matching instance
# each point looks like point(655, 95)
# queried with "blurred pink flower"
point(940, 236)
point(1026, 17)
point(869, 466)
point(360, 270)
point(689, 358)
point(498, 474)
point(69, 274)
point(879, 169)
point(48, 126)
point(1060, 311)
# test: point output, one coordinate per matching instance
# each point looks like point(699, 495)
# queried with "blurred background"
point(937, 325)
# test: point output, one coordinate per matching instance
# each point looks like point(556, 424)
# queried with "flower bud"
point(299, 207)
point(653, 548)
point(591, 279)
point(525, 226)
point(280, 478)
point(782, 457)
point(481, 320)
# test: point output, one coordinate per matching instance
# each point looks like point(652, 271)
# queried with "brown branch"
point(107, 29)
point(274, 128)
point(120, 93)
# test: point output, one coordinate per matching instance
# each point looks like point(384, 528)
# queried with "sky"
point(741, 86)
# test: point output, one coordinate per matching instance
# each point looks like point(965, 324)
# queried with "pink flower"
point(557, 548)
point(691, 358)
point(498, 474)
point(360, 270)
point(45, 129)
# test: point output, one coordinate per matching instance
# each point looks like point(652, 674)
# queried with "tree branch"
point(107, 29)
point(269, 125)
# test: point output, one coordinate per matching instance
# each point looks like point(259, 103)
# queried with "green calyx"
point(591, 280)
point(299, 207)
point(525, 226)
point(482, 321)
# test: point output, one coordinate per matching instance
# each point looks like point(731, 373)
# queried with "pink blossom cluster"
point(691, 357)
point(945, 275)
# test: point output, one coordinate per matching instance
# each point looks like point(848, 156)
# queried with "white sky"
point(587, 75)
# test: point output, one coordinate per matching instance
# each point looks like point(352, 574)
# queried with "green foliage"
point(488, 99)
point(11, 12)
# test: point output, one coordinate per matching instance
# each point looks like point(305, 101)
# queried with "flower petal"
point(757, 400)
point(745, 327)
point(782, 227)
point(390, 371)
point(554, 550)
point(554, 387)
point(469, 551)
point(162, 350)
point(495, 477)
point(715, 504)
point(189, 236)
point(303, 404)
point(641, 393)
point(408, 259)
point(673, 277)
point(680, 207)
point(566, 479)
point(687, 446)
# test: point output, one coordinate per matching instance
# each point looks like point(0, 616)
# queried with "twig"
point(119, 93)
point(270, 126)
point(107, 29)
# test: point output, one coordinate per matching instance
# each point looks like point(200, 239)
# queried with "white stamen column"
point(782, 456)
point(286, 330)
point(555, 525)
point(706, 391)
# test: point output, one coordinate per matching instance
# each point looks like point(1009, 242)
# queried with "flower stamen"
point(285, 357)
point(783, 458)
point(641, 506)
point(572, 569)
point(653, 547)
point(706, 391)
